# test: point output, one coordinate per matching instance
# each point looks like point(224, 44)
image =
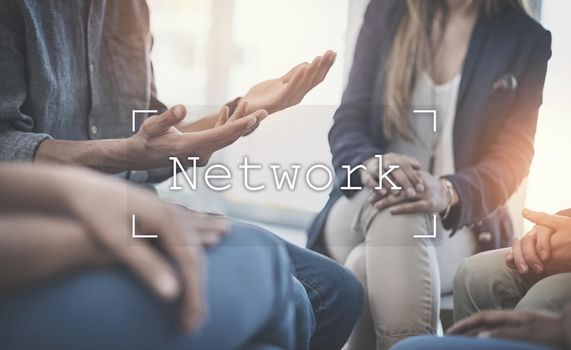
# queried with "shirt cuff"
point(20, 146)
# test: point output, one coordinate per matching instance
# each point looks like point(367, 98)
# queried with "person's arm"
point(18, 142)
point(277, 94)
point(111, 211)
point(565, 212)
point(35, 248)
point(350, 138)
point(485, 186)
point(153, 144)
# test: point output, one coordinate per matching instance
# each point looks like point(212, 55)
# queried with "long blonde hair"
point(412, 52)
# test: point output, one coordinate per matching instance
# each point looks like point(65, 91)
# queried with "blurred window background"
point(208, 52)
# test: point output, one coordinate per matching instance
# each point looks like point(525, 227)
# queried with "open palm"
point(277, 94)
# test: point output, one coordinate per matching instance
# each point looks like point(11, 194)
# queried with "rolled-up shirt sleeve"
point(18, 141)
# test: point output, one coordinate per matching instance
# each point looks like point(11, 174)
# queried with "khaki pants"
point(400, 273)
point(483, 282)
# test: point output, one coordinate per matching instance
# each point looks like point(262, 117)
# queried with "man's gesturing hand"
point(158, 138)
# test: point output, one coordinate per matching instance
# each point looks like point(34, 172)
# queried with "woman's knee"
point(389, 229)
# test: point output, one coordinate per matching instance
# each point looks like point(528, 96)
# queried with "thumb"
point(544, 219)
point(159, 124)
point(153, 269)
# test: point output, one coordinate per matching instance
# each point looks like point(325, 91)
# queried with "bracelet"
point(449, 196)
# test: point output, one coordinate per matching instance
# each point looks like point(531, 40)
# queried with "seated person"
point(533, 277)
point(501, 330)
point(71, 277)
point(68, 92)
point(535, 274)
point(480, 65)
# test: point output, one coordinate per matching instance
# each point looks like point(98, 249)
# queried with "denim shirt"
point(72, 70)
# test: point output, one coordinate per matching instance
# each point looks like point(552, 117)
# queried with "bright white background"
point(210, 51)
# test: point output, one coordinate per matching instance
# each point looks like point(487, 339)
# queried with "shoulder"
point(382, 16)
point(523, 25)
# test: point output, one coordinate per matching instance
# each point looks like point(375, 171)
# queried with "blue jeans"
point(249, 305)
point(464, 343)
point(253, 302)
point(336, 298)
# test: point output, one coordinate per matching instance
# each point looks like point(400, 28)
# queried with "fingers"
point(292, 72)
point(239, 112)
point(212, 224)
point(189, 262)
point(528, 244)
point(486, 319)
point(509, 332)
point(222, 116)
point(368, 179)
point(295, 83)
point(390, 201)
point(310, 75)
point(159, 124)
point(210, 228)
point(407, 176)
point(510, 262)
point(415, 164)
point(539, 218)
point(519, 260)
point(325, 65)
point(409, 179)
point(217, 138)
point(543, 237)
point(188, 258)
point(411, 207)
point(153, 269)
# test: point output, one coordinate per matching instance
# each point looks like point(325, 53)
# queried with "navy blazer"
point(500, 94)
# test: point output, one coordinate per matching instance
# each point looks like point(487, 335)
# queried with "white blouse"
point(450, 250)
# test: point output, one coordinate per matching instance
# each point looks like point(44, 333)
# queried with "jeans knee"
point(260, 241)
point(260, 253)
point(348, 296)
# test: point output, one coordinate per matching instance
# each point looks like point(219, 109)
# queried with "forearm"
point(36, 248)
point(110, 156)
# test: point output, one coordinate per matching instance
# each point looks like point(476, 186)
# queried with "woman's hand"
point(546, 249)
point(278, 94)
point(406, 176)
point(433, 198)
point(159, 138)
point(514, 325)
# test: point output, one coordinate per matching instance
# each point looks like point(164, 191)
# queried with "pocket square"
point(506, 82)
